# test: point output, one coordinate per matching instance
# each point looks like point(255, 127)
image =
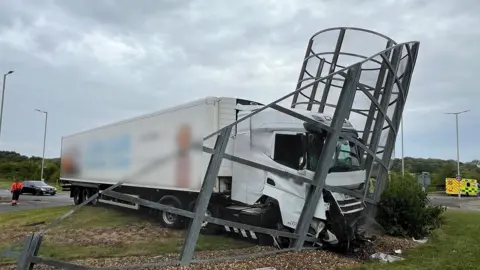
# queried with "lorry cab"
point(286, 143)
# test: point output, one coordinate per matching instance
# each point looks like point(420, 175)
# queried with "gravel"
point(94, 236)
point(312, 259)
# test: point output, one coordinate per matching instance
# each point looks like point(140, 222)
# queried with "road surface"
point(466, 203)
point(28, 201)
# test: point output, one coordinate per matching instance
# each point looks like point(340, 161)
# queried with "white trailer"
point(94, 160)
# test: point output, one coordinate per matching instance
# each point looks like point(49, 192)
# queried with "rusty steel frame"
point(351, 74)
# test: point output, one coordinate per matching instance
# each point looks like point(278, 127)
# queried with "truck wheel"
point(169, 220)
point(77, 196)
point(283, 242)
point(85, 194)
point(207, 228)
point(95, 201)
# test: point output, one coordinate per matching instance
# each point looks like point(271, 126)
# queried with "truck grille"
point(350, 206)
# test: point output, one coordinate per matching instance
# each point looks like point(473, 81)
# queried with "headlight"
point(42, 189)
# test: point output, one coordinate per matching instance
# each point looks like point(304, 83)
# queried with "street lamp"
point(459, 178)
point(403, 157)
point(3, 96)
point(44, 139)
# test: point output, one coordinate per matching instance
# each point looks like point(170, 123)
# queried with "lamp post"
point(459, 178)
point(403, 157)
point(44, 140)
point(3, 96)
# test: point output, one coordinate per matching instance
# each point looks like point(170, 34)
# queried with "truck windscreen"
point(345, 158)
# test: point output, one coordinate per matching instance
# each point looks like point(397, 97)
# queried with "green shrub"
point(404, 209)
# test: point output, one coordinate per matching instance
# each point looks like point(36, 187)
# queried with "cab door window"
point(288, 150)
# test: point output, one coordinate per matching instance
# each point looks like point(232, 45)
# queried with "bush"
point(404, 209)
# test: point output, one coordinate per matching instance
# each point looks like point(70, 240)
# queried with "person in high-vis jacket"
point(16, 190)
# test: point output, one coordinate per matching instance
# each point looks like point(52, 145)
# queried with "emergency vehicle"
point(468, 187)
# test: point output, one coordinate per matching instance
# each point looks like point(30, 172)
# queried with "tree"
point(15, 165)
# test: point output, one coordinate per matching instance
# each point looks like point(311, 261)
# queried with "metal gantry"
point(381, 91)
point(343, 79)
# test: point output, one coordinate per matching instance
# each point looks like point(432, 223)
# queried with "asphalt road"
point(467, 203)
point(28, 201)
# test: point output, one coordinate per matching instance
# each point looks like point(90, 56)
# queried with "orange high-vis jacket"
point(16, 186)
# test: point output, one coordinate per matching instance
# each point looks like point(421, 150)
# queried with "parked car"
point(38, 188)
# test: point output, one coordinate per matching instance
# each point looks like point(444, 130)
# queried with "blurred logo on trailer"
point(182, 172)
point(69, 163)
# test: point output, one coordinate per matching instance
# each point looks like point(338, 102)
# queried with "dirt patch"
point(111, 236)
point(95, 236)
point(388, 244)
point(318, 259)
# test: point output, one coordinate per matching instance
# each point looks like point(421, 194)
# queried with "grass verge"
point(5, 183)
point(454, 246)
point(96, 232)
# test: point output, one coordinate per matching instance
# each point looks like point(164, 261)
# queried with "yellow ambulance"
point(468, 187)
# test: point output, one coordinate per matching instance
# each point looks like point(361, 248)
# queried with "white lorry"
point(93, 160)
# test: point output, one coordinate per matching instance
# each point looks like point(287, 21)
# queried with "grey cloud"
point(91, 63)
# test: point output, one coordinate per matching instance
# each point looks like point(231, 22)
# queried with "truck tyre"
point(95, 201)
point(207, 228)
point(85, 194)
point(77, 195)
point(273, 221)
point(169, 220)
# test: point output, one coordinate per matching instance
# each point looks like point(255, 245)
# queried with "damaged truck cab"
point(291, 145)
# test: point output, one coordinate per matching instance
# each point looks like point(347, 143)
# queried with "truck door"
point(248, 182)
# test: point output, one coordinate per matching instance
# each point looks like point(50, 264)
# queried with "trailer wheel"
point(95, 201)
point(169, 220)
point(77, 195)
point(85, 194)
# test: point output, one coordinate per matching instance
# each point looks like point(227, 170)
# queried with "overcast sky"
point(89, 63)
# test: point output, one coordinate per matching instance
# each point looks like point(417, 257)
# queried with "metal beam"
point(377, 131)
point(203, 198)
point(299, 116)
point(30, 250)
point(150, 204)
point(397, 116)
point(188, 214)
point(328, 84)
point(314, 194)
point(376, 96)
point(315, 86)
point(59, 264)
point(302, 73)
